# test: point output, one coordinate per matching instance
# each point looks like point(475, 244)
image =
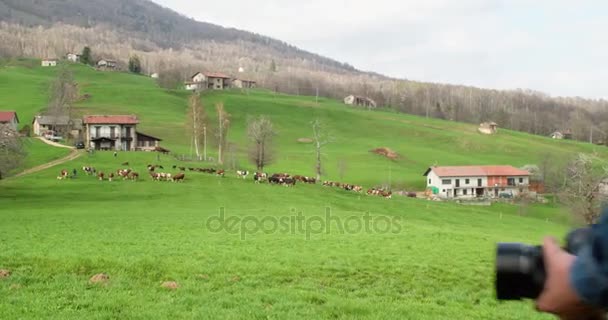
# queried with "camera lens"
point(520, 271)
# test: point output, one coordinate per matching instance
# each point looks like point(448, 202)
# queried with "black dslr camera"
point(520, 269)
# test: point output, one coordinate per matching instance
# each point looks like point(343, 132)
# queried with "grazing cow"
point(111, 176)
point(275, 180)
point(63, 175)
point(124, 173)
point(387, 195)
point(221, 173)
point(242, 174)
point(191, 169)
point(358, 189)
point(133, 176)
point(260, 177)
point(155, 176)
point(179, 177)
point(412, 195)
point(100, 176)
point(89, 170)
point(289, 182)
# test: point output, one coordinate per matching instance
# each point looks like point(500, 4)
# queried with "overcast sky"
point(558, 47)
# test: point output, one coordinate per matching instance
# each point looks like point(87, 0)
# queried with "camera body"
point(520, 268)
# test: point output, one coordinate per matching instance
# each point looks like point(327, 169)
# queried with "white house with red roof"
point(468, 182)
point(10, 118)
point(209, 80)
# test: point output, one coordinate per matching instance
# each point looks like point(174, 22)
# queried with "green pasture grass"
point(56, 234)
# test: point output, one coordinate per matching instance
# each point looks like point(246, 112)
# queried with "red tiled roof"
point(8, 116)
point(119, 119)
point(477, 171)
point(216, 75)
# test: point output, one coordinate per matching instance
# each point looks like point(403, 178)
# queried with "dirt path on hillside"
point(74, 154)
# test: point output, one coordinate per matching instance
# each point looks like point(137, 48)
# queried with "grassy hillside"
point(420, 142)
point(436, 262)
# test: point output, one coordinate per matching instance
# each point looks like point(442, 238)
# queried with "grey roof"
point(58, 121)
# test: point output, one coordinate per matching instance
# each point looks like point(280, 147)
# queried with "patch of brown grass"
point(386, 152)
point(170, 285)
point(305, 140)
point(101, 278)
point(4, 273)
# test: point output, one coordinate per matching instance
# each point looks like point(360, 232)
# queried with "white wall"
point(199, 78)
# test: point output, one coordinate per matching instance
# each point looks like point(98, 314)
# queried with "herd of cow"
point(283, 179)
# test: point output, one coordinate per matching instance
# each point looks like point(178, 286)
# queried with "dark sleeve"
point(589, 275)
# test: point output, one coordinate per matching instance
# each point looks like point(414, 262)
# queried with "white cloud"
point(548, 45)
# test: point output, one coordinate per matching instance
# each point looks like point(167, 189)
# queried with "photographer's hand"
point(558, 296)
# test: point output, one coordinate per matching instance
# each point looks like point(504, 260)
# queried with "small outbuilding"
point(488, 128)
point(49, 62)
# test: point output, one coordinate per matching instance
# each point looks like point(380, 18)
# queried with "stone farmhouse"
point(107, 64)
point(469, 182)
point(73, 57)
point(209, 80)
point(116, 132)
point(50, 125)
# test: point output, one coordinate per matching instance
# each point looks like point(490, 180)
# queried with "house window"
point(511, 181)
point(467, 181)
point(97, 132)
point(430, 181)
point(112, 132)
point(446, 181)
point(479, 182)
point(465, 192)
point(443, 190)
point(521, 180)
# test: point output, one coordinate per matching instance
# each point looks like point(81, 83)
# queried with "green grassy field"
point(436, 262)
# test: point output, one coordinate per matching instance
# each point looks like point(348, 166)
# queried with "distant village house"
point(360, 101)
point(468, 182)
point(117, 132)
point(243, 84)
point(49, 62)
point(107, 64)
point(154, 76)
point(208, 80)
point(488, 128)
point(10, 118)
point(50, 125)
point(73, 57)
point(566, 135)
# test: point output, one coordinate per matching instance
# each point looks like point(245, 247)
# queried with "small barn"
point(360, 101)
point(243, 84)
point(488, 128)
point(147, 142)
point(73, 57)
point(49, 62)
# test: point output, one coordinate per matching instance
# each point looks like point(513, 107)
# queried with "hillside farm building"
point(45, 125)
point(49, 62)
point(117, 132)
point(209, 80)
point(73, 57)
point(243, 84)
point(470, 182)
point(360, 101)
point(488, 128)
point(10, 118)
point(107, 64)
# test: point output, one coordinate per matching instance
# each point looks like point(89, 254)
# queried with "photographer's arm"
point(576, 287)
point(589, 275)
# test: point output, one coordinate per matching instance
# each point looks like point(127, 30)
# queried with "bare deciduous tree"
point(197, 124)
point(582, 190)
point(11, 150)
point(63, 92)
point(261, 132)
point(223, 118)
point(321, 137)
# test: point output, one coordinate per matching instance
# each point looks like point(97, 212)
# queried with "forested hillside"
point(176, 47)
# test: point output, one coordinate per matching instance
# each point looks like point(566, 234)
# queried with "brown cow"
point(101, 176)
point(221, 173)
point(133, 176)
point(179, 177)
point(111, 176)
